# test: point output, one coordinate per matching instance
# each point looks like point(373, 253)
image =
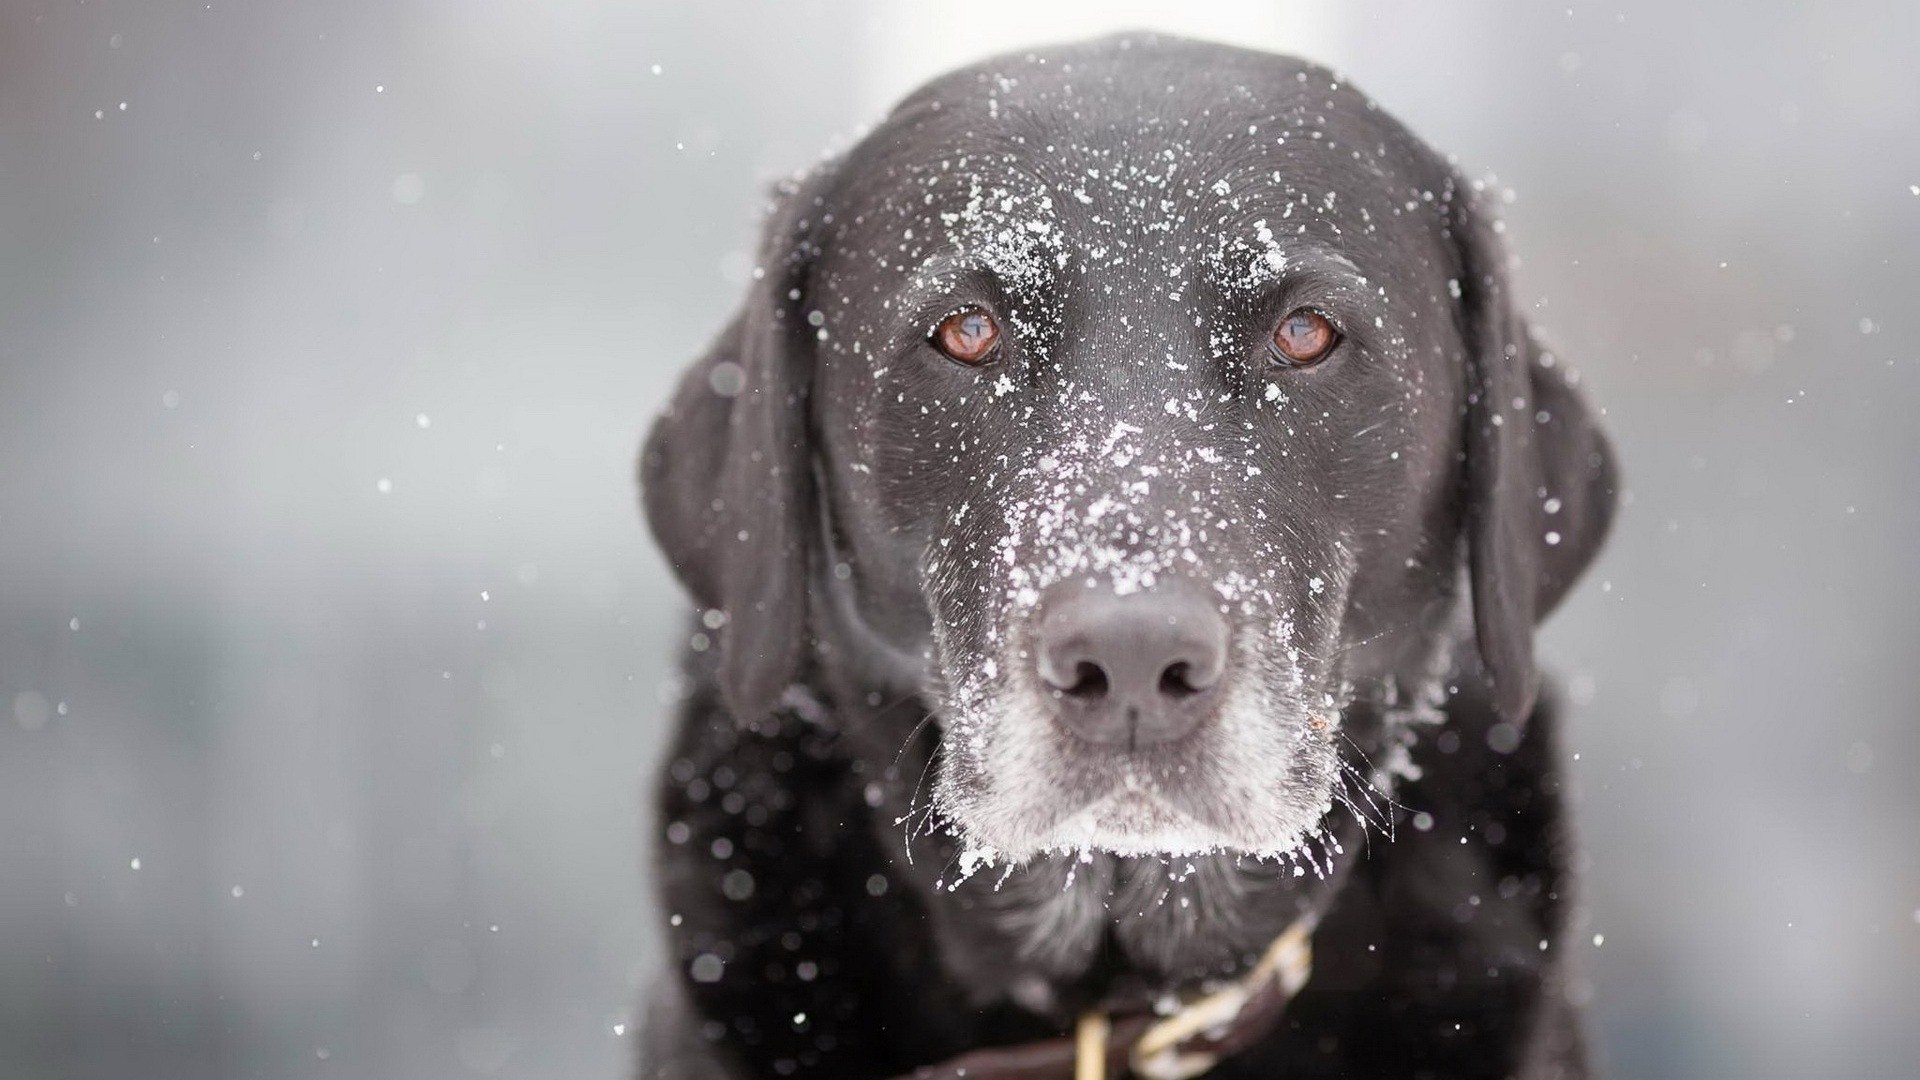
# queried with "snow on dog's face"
point(1180, 355)
point(1126, 412)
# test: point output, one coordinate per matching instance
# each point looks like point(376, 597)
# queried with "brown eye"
point(1304, 338)
point(967, 335)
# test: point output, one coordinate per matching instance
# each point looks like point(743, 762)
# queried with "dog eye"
point(967, 336)
point(1303, 338)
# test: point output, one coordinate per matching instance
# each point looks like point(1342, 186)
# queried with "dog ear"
point(726, 475)
point(1540, 478)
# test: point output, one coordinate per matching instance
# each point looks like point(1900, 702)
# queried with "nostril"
point(1089, 681)
point(1177, 680)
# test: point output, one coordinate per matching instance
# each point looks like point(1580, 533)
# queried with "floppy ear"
point(725, 473)
point(1539, 471)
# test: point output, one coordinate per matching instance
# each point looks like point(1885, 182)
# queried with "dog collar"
point(1183, 1045)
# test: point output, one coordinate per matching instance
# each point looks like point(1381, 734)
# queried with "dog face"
point(1138, 404)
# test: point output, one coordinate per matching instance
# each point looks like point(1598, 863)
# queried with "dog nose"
point(1134, 670)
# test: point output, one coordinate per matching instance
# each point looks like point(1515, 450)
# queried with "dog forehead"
point(1024, 184)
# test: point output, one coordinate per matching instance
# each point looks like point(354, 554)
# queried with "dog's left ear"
point(1540, 478)
point(726, 475)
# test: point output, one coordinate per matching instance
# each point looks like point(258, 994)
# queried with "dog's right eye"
point(968, 336)
point(1303, 339)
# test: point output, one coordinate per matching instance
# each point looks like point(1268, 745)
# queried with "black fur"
point(856, 517)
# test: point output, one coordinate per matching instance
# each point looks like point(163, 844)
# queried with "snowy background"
point(331, 647)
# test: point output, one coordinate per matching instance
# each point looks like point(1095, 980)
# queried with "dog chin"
point(1135, 823)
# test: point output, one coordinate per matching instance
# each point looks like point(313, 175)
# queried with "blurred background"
point(332, 651)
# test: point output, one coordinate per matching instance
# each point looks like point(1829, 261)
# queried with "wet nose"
point(1131, 670)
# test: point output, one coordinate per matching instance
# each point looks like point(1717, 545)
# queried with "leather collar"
point(1186, 1044)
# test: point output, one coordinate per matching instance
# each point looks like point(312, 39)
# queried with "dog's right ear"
point(725, 474)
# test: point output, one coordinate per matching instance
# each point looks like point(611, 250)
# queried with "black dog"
point(1121, 511)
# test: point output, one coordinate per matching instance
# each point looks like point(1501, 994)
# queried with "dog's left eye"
point(1303, 338)
point(967, 336)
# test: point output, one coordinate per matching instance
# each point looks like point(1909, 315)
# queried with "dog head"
point(1137, 404)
